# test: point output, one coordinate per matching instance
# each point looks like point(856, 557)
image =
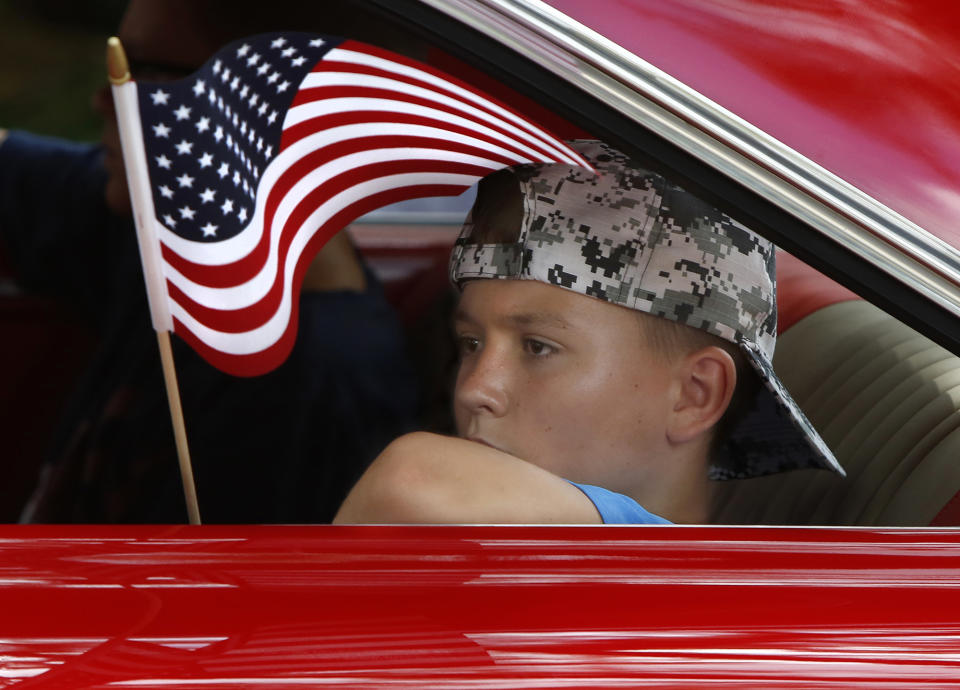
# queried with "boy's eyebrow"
point(531, 318)
point(539, 318)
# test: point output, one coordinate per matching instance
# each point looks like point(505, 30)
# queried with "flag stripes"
point(363, 128)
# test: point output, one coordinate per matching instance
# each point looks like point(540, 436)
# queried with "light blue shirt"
point(617, 509)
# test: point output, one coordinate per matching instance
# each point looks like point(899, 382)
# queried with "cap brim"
point(775, 436)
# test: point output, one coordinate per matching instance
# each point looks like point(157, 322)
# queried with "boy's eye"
point(538, 348)
point(467, 344)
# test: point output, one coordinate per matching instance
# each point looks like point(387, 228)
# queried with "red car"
point(831, 127)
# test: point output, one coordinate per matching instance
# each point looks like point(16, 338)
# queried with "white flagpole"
point(135, 162)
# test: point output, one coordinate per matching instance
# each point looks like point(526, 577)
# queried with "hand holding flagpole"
point(118, 72)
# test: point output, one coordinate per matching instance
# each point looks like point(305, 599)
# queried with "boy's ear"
point(707, 379)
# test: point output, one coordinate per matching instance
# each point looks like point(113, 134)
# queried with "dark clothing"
point(282, 447)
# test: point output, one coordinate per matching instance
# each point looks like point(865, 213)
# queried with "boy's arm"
point(426, 478)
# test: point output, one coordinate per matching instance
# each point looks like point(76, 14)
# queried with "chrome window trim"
point(722, 140)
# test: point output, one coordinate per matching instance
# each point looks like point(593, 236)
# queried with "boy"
point(606, 352)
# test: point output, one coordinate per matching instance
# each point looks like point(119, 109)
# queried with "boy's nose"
point(483, 384)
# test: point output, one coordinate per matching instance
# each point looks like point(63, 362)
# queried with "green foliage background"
point(51, 62)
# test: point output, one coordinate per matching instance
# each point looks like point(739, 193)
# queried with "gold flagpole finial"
point(118, 69)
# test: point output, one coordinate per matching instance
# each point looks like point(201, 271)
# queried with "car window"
point(882, 392)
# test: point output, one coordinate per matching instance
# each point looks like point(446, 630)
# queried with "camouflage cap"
point(628, 236)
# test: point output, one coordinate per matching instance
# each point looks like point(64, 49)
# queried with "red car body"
point(862, 88)
point(478, 607)
point(868, 91)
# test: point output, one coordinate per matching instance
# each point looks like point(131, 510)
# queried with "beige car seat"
point(886, 400)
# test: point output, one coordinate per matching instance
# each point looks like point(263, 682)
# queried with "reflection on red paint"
point(477, 606)
point(865, 89)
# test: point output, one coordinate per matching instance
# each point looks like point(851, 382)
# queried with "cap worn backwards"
point(628, 236)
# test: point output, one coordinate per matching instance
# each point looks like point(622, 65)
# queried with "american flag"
point(247, 168)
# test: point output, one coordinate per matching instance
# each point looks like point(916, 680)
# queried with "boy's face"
point(563, 381)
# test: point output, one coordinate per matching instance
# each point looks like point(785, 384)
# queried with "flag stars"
point(160, 97)
point(239, 110)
